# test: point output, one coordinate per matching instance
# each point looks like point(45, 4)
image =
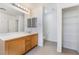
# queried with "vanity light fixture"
point(3, 9)
point(21, 7)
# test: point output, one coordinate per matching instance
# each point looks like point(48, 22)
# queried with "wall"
point(50, 24)
point(38, 12)
point(59, 29)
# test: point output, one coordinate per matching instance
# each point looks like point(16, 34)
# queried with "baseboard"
point(50, 40)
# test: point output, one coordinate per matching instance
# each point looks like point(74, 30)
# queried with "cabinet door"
point(34, 40)
point(15, 47)
point(27, 43)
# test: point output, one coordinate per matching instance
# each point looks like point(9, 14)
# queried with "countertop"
point(12, 35)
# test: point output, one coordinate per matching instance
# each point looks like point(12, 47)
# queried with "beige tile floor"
point(50, 49)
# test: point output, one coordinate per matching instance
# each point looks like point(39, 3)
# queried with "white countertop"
point(9, 36)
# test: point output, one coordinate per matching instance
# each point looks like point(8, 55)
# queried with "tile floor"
point(50, 49)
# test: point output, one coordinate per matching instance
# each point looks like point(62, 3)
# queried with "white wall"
point(39, 15)
point(38, 12)
point(59, 29)
point(50, 24)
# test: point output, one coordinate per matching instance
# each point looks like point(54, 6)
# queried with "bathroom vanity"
point(17, 43)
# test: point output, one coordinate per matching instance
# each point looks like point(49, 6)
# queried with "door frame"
point(59, 25)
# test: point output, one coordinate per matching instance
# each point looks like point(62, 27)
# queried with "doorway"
point(50, 26)
point(71, 28)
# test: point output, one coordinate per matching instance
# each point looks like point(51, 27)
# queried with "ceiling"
point(36, 5)
point(31, 5)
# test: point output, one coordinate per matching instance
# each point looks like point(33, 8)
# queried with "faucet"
point(29, 31)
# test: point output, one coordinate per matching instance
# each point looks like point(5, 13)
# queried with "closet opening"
point(50, 29)
point(70, 25)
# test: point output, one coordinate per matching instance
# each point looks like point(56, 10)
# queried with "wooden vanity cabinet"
point(15, 46)
point(21, 45)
